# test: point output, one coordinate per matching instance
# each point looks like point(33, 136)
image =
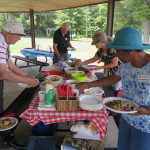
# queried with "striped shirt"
point(4, 53)
point(107, 57)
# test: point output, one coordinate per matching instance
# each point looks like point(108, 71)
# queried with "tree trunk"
point(146, 38)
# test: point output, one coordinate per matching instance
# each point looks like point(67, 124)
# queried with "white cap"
point(13, 26)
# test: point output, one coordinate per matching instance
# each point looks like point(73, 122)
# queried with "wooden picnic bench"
point(26, 59)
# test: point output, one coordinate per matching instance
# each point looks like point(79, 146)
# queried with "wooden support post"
point(32, 28)
point(110, 17)
point(110, 21)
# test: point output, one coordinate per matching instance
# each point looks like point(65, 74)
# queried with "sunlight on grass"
point(84, 48)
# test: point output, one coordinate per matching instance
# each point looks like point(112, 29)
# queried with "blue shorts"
point(131, 138)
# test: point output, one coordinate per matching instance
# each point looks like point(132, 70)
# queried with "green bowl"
point(79, 76)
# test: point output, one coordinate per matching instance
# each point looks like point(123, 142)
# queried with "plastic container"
point(47, 73)
point(49, 93)
point(79, 76)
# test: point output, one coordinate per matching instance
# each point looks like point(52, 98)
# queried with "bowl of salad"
point(7, 123)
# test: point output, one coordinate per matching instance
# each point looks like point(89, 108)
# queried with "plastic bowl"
point(54, 79)
point(47, 73)
point(79, 76)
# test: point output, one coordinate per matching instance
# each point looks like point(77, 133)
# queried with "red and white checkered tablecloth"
point(33, 116)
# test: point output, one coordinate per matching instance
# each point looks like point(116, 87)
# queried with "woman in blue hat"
point(134, 71)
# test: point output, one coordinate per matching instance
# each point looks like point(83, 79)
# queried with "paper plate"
point(23, 85)
point(94, 91)
point(89, 67)
point(90, 102)
point(72, 83)
point(71, 49)
point(110, 99)
point(71, 70)
point(8, 123)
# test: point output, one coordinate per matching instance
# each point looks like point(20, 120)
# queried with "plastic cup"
point(41, 95)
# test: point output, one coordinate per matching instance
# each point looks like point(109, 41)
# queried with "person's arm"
point(13, 77)
point(15, 69)
point(113, 63)
point(89, 61)
point(142, 111)
point(70, 45)
point(102, 82)
point(57, 53)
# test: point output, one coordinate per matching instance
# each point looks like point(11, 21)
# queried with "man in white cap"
point(11, 32)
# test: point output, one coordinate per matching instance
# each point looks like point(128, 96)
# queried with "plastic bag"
point(62, 64)
point(84, 128)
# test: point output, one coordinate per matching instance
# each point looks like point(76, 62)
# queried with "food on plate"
point(91, 66)
point(6, 123)
point(55, 79)
point(94, 91)
point(120, 105)
point(84, 128)
point(90, 92)
point(72, 69)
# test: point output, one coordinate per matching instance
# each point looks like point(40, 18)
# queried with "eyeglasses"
point(116, 51)
point(96, 42)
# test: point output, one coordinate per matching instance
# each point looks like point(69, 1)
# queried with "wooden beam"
point(110, 17)
point(32, 28)
point(110, 21)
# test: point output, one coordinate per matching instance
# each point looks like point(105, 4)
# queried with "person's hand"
point(78, 64)
point(30, 76)
point(140, 111)
point(61, 58)
point(98, 67)
point(72, 47)
point(81, 86)
point(32, 81)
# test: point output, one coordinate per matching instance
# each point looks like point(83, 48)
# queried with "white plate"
point(71, 49)
point(94, 91)
point(72, 83)
point(89, 67)
point(109, 99)
point(90, 102)
point(24, 85)
point(16, 122)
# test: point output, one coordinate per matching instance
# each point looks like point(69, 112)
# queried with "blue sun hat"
point(128, 38)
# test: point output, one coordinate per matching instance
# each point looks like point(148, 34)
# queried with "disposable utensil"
point(41, 95)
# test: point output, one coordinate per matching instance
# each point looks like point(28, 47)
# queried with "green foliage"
point(75, 16)
point(86, 21)
point(131, 13)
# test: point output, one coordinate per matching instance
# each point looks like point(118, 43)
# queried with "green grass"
point(84, 48)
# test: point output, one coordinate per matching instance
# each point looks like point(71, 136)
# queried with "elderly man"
point(11, 32)
point(61, 41)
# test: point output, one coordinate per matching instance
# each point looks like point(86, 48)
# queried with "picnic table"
point(33, 116)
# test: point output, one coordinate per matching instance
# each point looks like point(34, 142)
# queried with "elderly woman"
point(134, 71)
point(104, 54)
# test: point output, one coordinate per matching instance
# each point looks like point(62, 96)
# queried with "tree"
point(132, 13)
point(97, 18)
point(75, 16)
